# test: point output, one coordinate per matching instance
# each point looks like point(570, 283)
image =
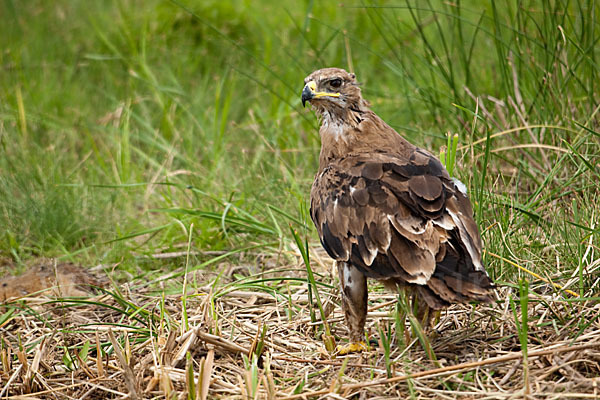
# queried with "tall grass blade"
point(328, 339)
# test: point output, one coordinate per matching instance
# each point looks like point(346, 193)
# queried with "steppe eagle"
point(386, 209)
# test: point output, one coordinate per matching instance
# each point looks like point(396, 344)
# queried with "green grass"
point(129, 129)
point(124, 124)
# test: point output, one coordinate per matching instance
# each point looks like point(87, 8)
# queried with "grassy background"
point(124, 125)
point(136, 129)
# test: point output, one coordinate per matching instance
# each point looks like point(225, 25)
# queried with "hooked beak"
point(310, 92)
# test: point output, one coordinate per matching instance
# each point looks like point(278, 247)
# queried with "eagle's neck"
point(340, 126)
point(354, 131)
point(337, 126)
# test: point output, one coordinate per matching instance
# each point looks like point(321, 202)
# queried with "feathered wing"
point(401, 218)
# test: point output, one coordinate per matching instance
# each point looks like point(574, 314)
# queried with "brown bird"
point(386, 209)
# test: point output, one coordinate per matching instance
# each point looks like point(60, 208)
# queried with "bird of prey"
point(386, 209)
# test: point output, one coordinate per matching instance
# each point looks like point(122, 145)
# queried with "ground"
point(57, 342)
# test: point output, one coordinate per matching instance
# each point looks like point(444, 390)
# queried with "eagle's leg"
point(426, 308)
point(354, 303)
point(421, 309)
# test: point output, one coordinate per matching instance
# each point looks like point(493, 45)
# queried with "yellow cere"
point(313, 87)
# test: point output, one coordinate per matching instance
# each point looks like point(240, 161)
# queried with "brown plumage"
point(387, 209)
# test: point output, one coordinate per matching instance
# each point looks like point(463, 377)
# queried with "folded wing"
point(402, 219)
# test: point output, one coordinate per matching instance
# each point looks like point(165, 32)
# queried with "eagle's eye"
point(335, 83)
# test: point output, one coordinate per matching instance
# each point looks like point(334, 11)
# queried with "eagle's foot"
point(354, 347)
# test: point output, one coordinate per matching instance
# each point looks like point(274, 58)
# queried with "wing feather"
point(401, 218)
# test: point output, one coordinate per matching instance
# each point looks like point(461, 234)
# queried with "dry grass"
point(132, 341)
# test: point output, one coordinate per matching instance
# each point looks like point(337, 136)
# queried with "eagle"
point(387, 209)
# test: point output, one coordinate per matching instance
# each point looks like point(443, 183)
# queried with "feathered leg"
point(354, 303)
point(421, 309)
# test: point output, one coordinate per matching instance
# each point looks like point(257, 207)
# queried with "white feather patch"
point(460, 186)
point(372, 254)
point(332, 127)
point(351, 276)
point(347, 276)
point(419, 279)
point(444, 222)
point(465, 239)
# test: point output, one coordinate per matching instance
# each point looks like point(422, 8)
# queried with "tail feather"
point(457, 280)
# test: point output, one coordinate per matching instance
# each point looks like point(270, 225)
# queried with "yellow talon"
point(355, 347)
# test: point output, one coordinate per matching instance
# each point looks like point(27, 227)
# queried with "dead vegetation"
point(139, 342)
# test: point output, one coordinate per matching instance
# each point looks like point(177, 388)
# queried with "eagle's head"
point(332, 91)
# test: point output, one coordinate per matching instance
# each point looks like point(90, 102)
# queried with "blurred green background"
point(128, 128)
